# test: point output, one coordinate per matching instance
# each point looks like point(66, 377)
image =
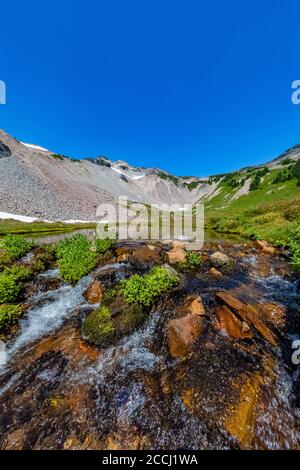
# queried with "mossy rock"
point(114, 319)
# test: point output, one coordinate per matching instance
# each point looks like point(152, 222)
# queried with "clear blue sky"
point(194, 87)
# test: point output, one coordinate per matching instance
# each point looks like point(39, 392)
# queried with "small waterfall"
point(52, 309)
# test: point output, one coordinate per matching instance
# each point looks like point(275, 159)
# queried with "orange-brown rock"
point(94, 293)
point(147, 253)
point(265, 247)
point(178, 244)
point(253, 315)
point(234, 327)
point(241, 416)
point(215, 273)
point(90, 443)
point(194, 305)
point(182, 334)
point(176, 255)
point(117, 441)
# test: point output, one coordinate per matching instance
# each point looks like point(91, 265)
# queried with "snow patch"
point(134, 177)
point(29, 220)
point(35, 147)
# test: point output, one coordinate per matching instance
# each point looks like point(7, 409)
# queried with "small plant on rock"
point(146, 289)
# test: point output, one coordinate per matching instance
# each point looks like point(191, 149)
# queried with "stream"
point(59, 392)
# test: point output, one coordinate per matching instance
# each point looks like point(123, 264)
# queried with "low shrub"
point(75, 258)
point(9, 314)
point(103, 245)
point(9, 288)
point(17, 246)
point(18, 272)
point(146, 289)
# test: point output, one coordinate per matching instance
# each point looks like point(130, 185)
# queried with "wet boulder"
point(114, 319)
point(183, 333)
point(235, 328)
point(251, 314)
point(265, 247)
point(219, 259)
point(147, 254)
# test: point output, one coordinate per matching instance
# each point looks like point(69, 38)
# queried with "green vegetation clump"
point(58, 156)
point(296, 172)
point(99, 326)
point(9, 314)
point(9, 288)
point(294, 245)
point(75, 258)
point(104, 245)
point(193, 261)
point(18, 272)
point(167, 176)
point(17, 246)
point(192, 185)
point(5, 260)
point(146, 289)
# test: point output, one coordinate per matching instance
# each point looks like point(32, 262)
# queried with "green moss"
point(114, 319)
point(9, 314)
point(98, 327)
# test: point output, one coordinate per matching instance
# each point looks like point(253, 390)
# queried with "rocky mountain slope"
point(36, 182)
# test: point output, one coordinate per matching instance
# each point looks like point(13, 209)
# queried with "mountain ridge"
point(36, 182)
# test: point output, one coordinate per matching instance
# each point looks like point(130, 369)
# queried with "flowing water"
point(56, 391)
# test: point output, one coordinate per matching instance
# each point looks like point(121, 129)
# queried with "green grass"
point(13, 226)
point(271, 212)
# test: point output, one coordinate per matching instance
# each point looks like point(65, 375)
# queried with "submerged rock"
point(182, 334)
point(215, 273)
